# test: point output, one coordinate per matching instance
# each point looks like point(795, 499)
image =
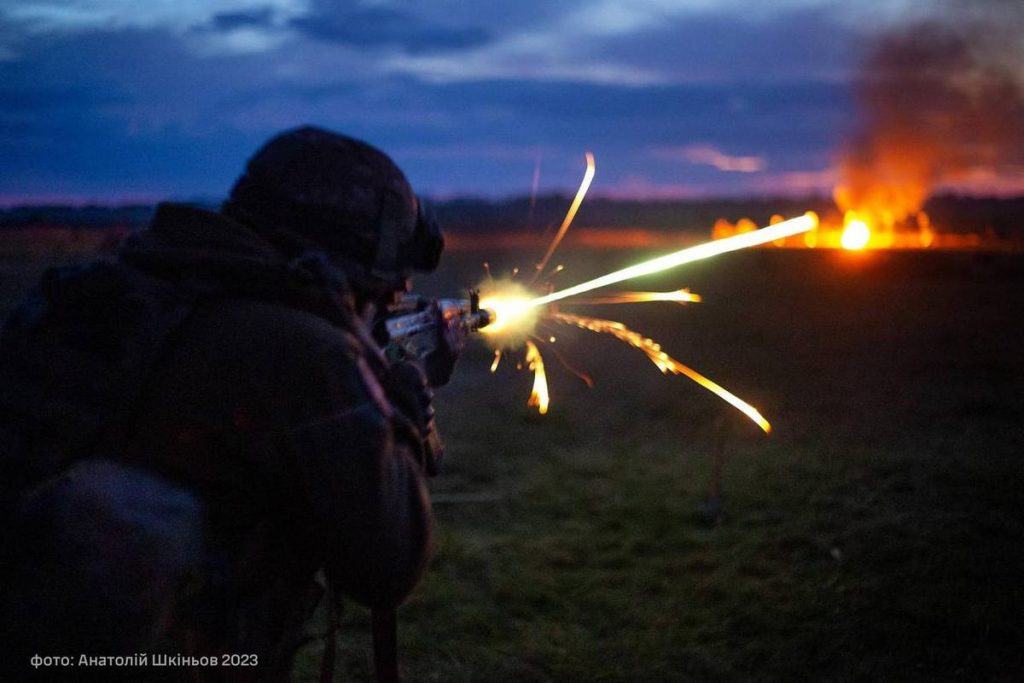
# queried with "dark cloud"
point(787, 44)
point(113, 113)
point(481, 137)
point(385, 27)
point(168, 112)
point(622, 125)
point(740, 113)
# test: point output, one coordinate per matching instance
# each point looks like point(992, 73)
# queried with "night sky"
point(121, 100)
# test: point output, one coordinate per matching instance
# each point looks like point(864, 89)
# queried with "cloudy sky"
point(117, 100)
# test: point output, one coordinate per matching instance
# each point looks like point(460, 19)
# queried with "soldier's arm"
point(362, 486)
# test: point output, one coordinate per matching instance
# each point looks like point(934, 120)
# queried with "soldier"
point(211, 420)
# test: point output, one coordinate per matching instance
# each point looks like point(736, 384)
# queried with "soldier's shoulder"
point(319, 365)
point(263, 353)
point(270, 322)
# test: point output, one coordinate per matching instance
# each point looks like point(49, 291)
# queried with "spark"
point(555, 271)
point(793, 226)
point(588, 176)
point(539, 395)
point(514, 310)
point(517, 311)
point(680, 296)
point(662, 360)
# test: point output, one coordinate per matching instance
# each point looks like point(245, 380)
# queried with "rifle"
point(412, 325)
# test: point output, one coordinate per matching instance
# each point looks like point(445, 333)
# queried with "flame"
point(862, 229)
point(925, 233)
point(856, 233)
point(539, 395)
point(723, 228)
point(879, 203)
point(662, 360)
point(497, 360)
point(680, 296)
point(588, 176)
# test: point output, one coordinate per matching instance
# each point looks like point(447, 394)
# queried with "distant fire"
point(858, 230)
point(856, 233)
point(885, 214)
point(940, 102)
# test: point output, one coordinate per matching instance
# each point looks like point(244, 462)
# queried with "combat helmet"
point(341, 195)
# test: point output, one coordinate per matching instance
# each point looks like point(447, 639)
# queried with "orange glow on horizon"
point(873, 230)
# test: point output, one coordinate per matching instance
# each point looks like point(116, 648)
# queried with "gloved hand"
point(411, 395)
point(451, 339)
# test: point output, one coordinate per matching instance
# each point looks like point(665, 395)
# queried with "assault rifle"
point(414, 326)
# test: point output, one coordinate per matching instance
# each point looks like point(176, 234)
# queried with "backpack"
point(86, 539)
point(74, 357)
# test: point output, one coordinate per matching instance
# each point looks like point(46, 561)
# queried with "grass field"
point(876, 534)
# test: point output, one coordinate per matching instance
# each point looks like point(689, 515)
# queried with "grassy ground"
point(877, 534)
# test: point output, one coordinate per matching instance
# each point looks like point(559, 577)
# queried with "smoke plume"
point(942, 103)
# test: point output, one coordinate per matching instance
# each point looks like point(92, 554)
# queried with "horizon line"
point(20, 202)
